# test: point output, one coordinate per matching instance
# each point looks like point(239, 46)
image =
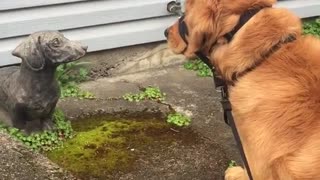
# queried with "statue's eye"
point(55, 42)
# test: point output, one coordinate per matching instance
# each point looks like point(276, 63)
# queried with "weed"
point(201, 68)
point(69, 76)
point(232, 163)
point(47, 140)
point(178, 119)
point(312, 27)
point(154, 93)
point(149, 93)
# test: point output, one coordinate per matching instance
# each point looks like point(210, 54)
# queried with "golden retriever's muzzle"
point(166, 33)
point(183, 32)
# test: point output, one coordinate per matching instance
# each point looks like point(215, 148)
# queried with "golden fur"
point(276, 106)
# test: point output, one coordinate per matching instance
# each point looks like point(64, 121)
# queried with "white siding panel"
point(69, 16)
point(15, 4)
point(102, 37)
point(101, 24)
point(303, 8)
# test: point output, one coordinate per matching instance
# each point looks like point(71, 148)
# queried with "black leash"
point(220, 84)
point(228, 118)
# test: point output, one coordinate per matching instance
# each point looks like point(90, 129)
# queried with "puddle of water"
point(105, 145)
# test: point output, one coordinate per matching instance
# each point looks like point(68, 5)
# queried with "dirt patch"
point(101, 71)
point(103, 62)
point(130, 60)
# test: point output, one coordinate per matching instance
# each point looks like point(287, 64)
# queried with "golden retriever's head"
point(207, 21)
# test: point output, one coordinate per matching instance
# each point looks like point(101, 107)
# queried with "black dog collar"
point(183, 29)
point(244, 18)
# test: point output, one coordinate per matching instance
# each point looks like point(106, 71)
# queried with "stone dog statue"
point(30, 93)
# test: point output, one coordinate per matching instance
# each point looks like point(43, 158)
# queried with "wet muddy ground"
point(110, 147)
point(200, 152)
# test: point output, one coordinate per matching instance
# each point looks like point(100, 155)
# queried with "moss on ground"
point(105, 144)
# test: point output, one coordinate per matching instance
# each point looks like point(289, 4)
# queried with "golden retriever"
point(276, 105)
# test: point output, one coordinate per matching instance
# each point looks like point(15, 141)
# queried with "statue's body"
point(29, 93)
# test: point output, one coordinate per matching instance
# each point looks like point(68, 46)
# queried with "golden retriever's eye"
point(55, 42)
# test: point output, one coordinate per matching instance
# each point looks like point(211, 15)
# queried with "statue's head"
point(48, 48)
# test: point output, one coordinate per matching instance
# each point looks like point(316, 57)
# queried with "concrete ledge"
point(19, 162)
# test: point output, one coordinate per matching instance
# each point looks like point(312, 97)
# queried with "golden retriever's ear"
point(254, 41)
point(189, 3)
point(30, 53)
point(195, 43)
point(241, 5)
point(213, 4)
point(201, 20)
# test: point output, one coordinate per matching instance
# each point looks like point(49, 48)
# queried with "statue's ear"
point(30, 53)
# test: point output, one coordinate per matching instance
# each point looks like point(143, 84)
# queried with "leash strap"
point(237, 137)
point(204, 59)
point(228, 118)
point(220, 83)
point(227, 110)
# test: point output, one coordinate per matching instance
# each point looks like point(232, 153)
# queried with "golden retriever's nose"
point(84, 47)
point(166, 33)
